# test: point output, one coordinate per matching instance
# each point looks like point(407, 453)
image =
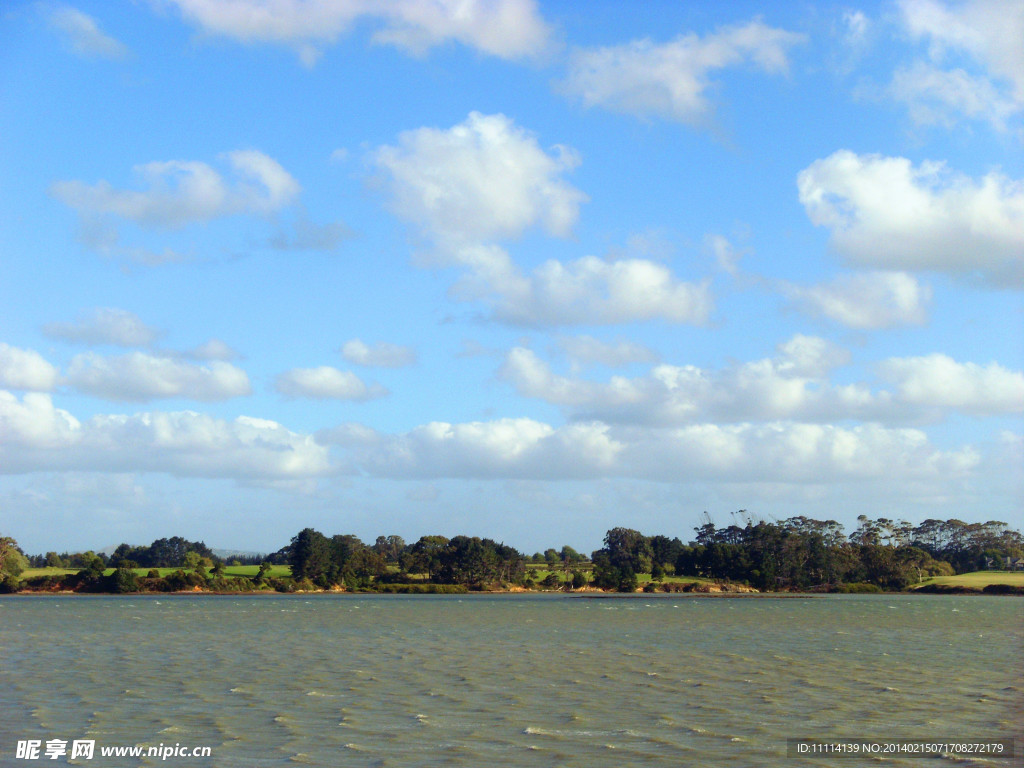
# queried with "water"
point(509, 680)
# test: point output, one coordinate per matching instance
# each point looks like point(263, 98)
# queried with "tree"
point(310, 556)
point(122, 580)
point(53, 560)
point(570, 556)
point(625, 554)
point(12, 560)
point(12, 564)
point(389, 547)
point(424, 556)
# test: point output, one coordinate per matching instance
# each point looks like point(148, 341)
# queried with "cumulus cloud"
point(509, 29)
point(868, 301)
point(594, 291)
point(792, 386)
point(33, 423)
point(139, 377)
point(781, 452)
point(886, 213)
point(25, 369)
point(36, 436)
point(796, 385)
point(179, 192)
point(105, 325)
point(502, 448)
point(486, 180)
point(584, 350)
point(380, 355)
point(482, 179)
point(669, 80)
point(83, 34)
point(984, 35)
point(939, 381)
point(326, 383)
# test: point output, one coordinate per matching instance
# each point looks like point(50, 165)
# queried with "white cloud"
point(593, 291)
point(939, 381)
point(989, 30)
point(139, 377)
point(669, 80)
point(214, 349)
point(35, 436)
point(179, 192)
point(509, 29)
point(381, 354)
point(870, 300)
point(974, 65)
point(780, 452)
point(33, 423)
point(795, 453)
point(326, 383)
point(502, 448)
point(936, 96)
point(105, 325)
point(25, 369)
point(857, 25)
point(84, 35)
point(483, 179)
point(726, 255)
point(791, 386)
point(884, 212)
point(584, 350)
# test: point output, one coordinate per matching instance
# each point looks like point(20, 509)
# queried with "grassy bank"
point(976, 579)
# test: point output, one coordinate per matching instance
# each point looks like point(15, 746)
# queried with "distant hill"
point(226, 554)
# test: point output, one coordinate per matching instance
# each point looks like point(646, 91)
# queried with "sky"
point(513, 269)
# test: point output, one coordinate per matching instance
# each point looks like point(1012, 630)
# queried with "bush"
point(550, 581)
point(423, 589)
point(184, 581)
point(122, 580)
point(1003, 589)
point(857, 588)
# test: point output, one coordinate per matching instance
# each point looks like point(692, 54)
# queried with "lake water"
point(507, 680)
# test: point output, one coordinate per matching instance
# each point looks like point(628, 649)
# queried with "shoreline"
point(583, 594)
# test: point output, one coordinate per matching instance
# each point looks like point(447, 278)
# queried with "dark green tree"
point(310, 557)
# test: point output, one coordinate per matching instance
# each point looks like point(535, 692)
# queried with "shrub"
point(857, 588)
point(1003, 589)
point(551, 580)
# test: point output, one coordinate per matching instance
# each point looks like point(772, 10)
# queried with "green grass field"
point(977, 579)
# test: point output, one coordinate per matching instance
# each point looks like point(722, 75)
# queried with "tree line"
point(795, 554)
point(802, 553)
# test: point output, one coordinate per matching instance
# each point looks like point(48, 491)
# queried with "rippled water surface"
point(507, 680)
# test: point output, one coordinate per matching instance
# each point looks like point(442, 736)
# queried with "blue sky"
point(526, 270)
